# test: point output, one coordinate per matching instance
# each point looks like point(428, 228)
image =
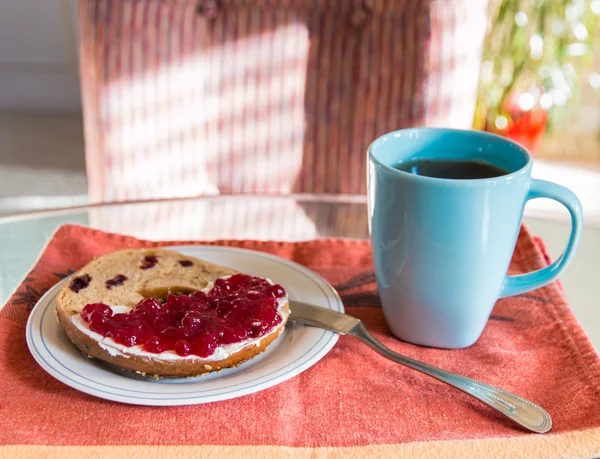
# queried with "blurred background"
point(537, 78)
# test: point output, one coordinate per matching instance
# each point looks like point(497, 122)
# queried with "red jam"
point(235, 309)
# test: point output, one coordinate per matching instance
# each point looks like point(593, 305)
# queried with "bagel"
point(160, 313)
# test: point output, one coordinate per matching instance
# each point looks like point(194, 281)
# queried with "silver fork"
point(520, 410)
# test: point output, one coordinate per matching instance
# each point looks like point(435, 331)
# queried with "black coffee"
point(452, 169)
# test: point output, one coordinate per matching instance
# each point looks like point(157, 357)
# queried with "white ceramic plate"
point(297, 349)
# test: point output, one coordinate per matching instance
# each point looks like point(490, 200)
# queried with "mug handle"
point(515, 285)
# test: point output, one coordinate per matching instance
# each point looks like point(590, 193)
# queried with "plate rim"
point(195, 397)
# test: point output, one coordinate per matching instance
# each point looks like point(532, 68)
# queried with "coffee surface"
point(452, 169)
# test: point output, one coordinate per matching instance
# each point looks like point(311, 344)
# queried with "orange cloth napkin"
point(352, 403)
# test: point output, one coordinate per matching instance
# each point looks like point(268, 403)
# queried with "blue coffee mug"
point(442, 247)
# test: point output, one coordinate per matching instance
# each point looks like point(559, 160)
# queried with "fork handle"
point(520, 410)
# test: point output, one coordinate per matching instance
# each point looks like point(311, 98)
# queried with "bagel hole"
point(161, 293)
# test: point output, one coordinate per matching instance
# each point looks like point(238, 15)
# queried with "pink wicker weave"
point(184, 97)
